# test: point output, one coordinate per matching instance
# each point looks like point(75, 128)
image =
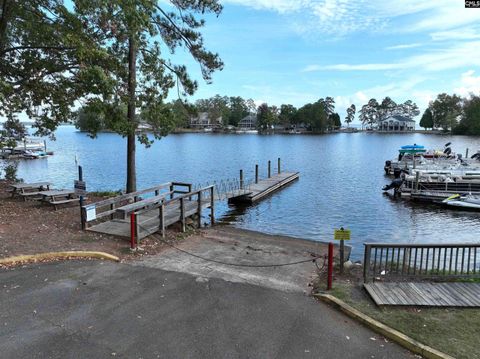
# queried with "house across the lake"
point(204, 121)
point(248, 123)
point(396, 123)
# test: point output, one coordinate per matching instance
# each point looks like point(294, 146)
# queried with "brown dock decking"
point(450, 294)
point(265, 187)
point(423, 274)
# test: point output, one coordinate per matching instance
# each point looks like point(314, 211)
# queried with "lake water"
point(341, 176)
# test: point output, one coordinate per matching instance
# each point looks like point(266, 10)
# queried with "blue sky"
point(297, 51)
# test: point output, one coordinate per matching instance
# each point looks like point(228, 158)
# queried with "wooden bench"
point(58, 197)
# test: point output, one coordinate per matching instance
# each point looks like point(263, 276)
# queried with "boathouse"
point(396, 123)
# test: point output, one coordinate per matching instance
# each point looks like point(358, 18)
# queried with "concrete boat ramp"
point(242, 256)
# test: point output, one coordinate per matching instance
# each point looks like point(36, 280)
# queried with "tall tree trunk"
point(132, 74)
point(6, 8)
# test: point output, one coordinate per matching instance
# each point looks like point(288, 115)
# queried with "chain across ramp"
point(227, 188)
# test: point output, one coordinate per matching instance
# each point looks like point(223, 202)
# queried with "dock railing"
point(182, 207)
point(108, 207)
point(385, 261)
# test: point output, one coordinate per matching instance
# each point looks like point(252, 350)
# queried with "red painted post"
point(330, 266)
point(132, 231)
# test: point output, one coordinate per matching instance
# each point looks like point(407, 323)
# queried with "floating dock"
point(262, 188)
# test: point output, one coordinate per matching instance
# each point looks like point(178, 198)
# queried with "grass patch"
point(452, 331)
point(106, 193)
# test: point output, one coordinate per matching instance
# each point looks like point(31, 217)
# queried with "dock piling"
point(269, 169)
point(466, 153)
point(241, 179)
point(278, 165)
point(256, 173)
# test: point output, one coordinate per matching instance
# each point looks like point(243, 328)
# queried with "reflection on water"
point(340, 183)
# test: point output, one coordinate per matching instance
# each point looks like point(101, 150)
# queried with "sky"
point(297, 51)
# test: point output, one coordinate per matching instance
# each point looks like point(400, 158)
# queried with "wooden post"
point(83, 214)
point(189, 186)
point(199, 210)
point(330, 266)
point(112, 207)
point(466, 153)
point(256, 173)
point(212, 206)
point(269, 168)
point(133, 226)
point(171, 191)
point(182, 213)
point(278, 165)
point(241, 179)
point(342, 255)
point(366, 263)
point(162, 219)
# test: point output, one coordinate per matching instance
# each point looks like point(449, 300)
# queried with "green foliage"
point(47, 62)
point(350, 114)
point(182, 112)
point(445, 110)
point(335, 120)
point(313, 115)
point(287, 115)
point(470, 120)
point(10, 171)
point(238, 109)
point(427, 119)
point(266, 116)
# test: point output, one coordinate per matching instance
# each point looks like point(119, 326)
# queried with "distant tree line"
point(319, 116)
point(453, 113)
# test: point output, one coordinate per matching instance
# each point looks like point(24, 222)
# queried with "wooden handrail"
point(175, 199)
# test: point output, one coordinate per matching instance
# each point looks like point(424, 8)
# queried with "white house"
point(396, 123)
point(204, 121)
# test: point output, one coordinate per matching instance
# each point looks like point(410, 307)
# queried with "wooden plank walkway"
point(149, 222)
point(451, 294)
point(265, 187)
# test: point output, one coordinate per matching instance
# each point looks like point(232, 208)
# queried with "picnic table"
point(58, 197)
point(29, 189)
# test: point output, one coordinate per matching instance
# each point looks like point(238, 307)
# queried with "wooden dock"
point(450, 294)
point(262, 188)
point(151, 210)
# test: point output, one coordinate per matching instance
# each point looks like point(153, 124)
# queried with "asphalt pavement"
point(94, 309)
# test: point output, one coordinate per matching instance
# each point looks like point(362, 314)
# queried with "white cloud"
point(462, 55)
point(341, 17)
point(464, 33)
point(469, 83)
point(280, 6)
point(403, 46)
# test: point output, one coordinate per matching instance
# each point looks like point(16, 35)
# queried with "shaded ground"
point(453, 331)
point(102, 309)
point(32, 227)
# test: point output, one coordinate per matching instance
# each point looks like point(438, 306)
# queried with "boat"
point(463, 201)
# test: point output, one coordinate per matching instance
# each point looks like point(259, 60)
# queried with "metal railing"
point(227, 188)
point(396, 261)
